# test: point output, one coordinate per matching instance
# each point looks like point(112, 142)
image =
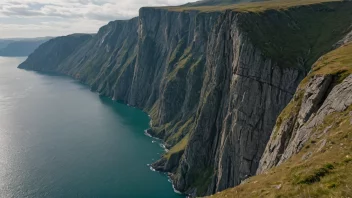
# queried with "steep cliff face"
point(319, 95)
point(242, 94)
point(309, 152)
point(251, 74)
point(48, 56)
point(106, 62)
point(212, 81)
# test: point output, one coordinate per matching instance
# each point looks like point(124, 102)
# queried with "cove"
point(59, 139)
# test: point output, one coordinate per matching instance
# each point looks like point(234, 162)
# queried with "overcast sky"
point(38, 18)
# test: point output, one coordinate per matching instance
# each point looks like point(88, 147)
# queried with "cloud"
point(57, 17)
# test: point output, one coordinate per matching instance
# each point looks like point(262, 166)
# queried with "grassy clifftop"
point(247, 7)
point(327, 172)
point(291, 33)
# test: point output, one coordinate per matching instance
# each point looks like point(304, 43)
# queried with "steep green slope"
point(49, 55)
point(322, 167)
point(102, 60)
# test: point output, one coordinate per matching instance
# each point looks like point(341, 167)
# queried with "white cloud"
point(32, 18)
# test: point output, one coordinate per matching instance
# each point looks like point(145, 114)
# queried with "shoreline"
point(161, 144)
point(169, 175)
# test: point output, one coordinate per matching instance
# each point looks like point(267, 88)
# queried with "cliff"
point(213, 80)
point(49, 55)
point(310, 144)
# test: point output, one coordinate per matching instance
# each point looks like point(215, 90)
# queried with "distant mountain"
point(4, 43)
point(20, 47)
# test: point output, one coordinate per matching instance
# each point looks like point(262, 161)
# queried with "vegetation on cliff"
point(48, 56)
point(323, 167)
point(255, 6)
point(213, 79)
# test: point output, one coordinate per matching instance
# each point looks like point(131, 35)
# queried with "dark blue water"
point(58, 139)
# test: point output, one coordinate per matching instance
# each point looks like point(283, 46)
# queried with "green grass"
point(337, 63)
point(178, 51)
point(248, 7)
point(182, 59)
point(298, 37)
point(293, 33)
point(181, 146)
point(202, 180)
point(316, 175)
point(181, 130)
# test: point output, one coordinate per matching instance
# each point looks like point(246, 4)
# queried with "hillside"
point(321, 164)
point(213, 79)
point(4, 43)
point(48, 55)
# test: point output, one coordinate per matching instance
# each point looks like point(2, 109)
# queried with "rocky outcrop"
point(345, 40)
point(242, 94)
point(339, 99)
point(313, 96)
point(319, 96)
point(312, 135)
point(213, 82)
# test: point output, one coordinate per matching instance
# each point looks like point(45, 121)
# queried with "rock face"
point(213, 82)
point(242, 94)
point(313, 96)
point(311, 135)
point(344, 40)
point(48, 56)
point(292, 135)
point(319, 96)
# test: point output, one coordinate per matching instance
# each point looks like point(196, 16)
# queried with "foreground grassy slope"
point(328, 172)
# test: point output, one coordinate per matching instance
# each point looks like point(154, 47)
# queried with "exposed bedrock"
point(213, 82)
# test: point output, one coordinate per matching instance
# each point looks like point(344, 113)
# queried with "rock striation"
point(310, 148)
point(213, 82)
point(320, 95)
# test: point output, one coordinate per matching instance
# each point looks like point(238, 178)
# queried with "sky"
point(40, 18)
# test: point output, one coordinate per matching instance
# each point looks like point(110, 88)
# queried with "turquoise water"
point(58, 139)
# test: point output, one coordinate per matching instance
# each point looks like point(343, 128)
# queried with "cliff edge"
point(213, 79)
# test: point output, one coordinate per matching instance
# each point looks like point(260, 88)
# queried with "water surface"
point(58, 139)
